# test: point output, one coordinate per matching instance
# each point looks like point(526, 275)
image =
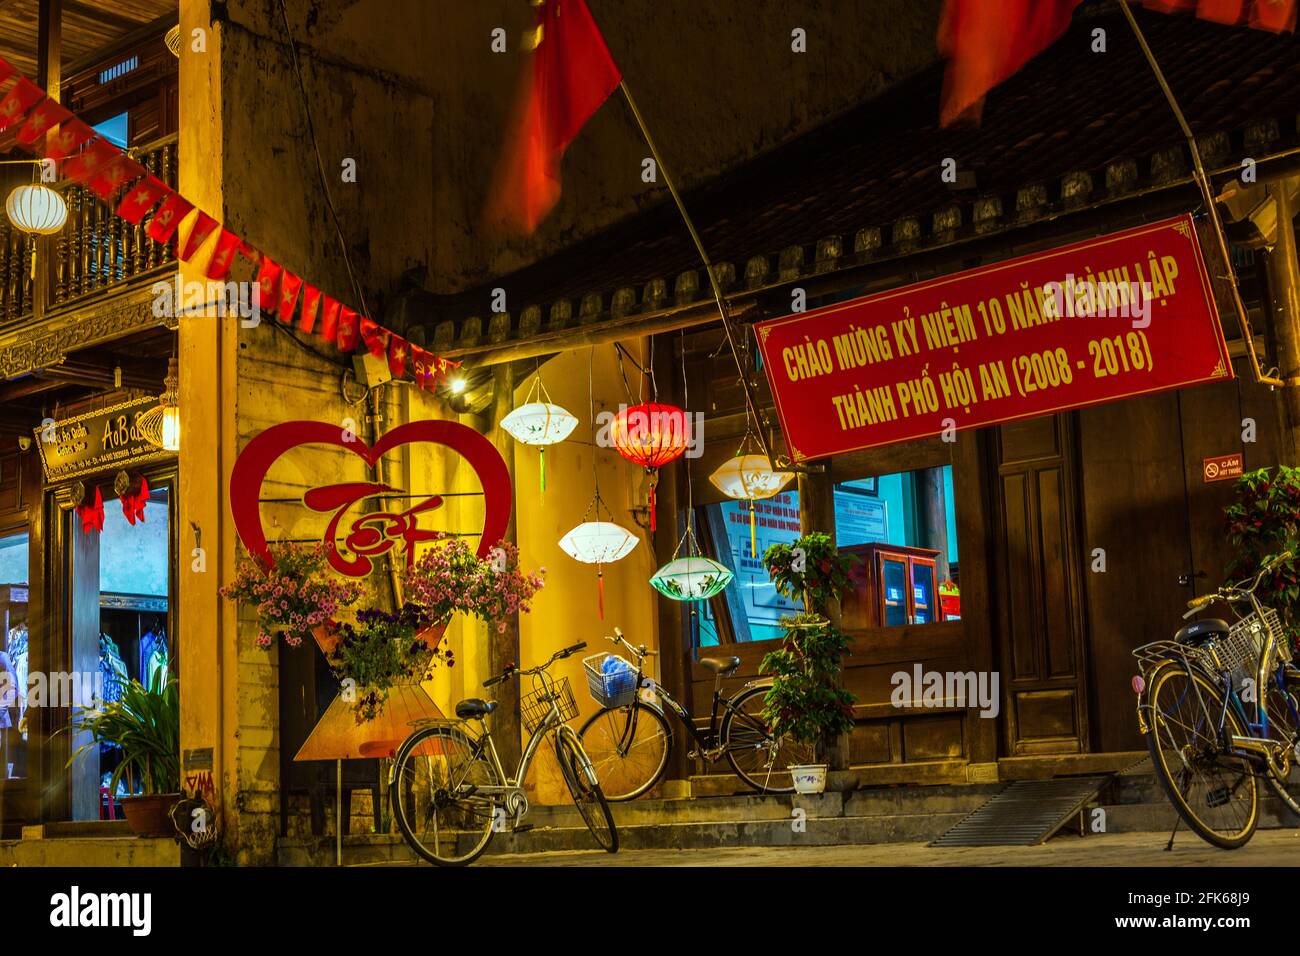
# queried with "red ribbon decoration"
point(133, 505)
point(92, 515)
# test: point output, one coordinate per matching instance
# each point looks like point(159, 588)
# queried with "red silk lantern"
point(650, 435)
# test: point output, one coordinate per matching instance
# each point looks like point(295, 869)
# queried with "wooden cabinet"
point(893, 585)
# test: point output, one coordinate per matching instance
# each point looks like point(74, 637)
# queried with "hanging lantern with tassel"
point(692, 577)
point(651, 435)
point(598, 542)
point(749, 476)
point(539, 422)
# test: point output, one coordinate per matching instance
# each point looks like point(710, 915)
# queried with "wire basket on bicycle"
point(534, 706)
point(611, 679)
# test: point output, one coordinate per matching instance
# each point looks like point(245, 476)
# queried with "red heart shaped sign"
point(266, 448)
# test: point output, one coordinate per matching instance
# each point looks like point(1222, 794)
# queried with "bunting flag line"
point(1277, 16)
point(47, 128)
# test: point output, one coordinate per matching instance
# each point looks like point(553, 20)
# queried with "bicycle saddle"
point(720, 665)
point(1200, 630)
point(474, 707)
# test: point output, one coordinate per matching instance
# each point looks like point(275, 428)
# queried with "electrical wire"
point(320, 163)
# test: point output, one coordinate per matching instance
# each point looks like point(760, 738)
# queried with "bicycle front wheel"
point(629, 748)
point(1283, 706)
point(587, 796)
point(761, 759)
point(436, 795)
point(1217, 794)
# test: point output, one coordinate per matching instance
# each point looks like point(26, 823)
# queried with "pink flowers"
point(452, 578)
point(297, 594)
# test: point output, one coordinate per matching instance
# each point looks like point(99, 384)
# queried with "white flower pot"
point(809, 778)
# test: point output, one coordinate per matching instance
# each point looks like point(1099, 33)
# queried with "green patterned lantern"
point(692, 578)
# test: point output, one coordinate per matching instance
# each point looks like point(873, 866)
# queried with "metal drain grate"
point(1024, 814)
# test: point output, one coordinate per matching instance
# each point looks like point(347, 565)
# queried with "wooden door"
point(1037, 569)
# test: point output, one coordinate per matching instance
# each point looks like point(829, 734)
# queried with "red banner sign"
point(1109, 318)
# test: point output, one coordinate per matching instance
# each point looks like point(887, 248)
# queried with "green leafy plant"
point(806, 700)
point(809, 569)
point(146, 724)
point(1265, 521)
point(382, 650)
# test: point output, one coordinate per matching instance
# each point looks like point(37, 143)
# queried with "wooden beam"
point(99, 15)
point(49, 47)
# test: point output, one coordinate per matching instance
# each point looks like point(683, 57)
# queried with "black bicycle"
point(629, 739)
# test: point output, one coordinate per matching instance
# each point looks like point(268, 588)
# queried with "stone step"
point(1160, 816)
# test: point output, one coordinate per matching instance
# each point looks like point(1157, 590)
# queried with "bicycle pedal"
point(522, 828)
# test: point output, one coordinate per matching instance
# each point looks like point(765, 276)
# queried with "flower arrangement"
point(298, 593)
point(452, 578)
point(382, 650)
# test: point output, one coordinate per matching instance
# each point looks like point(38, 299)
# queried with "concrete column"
point(932, 517)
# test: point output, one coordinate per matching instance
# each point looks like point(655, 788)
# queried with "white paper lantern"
point(37, 209)
point(749, 478)
point(539, 423)
point(598, 542)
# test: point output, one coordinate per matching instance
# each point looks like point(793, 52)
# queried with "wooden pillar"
point(503, 646)
point(49, 76)
point(83, 548)
point(675, 650)
point(1284, 296)
point(817, 513)
point(932, 517)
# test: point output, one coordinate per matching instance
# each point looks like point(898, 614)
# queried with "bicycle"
point(450, 793)
point(1219, 709)
point(630, 741)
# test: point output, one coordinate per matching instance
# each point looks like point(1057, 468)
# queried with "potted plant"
point(383, 649)
point(806, 701)
point(294, 597)
point(145, 724)
point(1262, 522)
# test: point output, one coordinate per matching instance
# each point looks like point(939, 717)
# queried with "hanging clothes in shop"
point(113, 669)
point(154, 657)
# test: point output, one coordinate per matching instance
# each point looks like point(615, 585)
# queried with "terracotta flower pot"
point(432, 634)
point(149, 815)
point(327, 637)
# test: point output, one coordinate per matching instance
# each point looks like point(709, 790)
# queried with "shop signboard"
point(1109, 318)
point(97, 441)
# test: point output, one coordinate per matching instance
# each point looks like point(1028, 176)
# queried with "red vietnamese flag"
point(419, 363)
point(6, 69)
point(329, 318)
point(40, 121)
point(397, 354)
point(570, 75)
point(113, 175)
point(268, 285)
point(223, 256)
point(986, 43)
point(289, 286)
point(140, 198)
point(19, 101)
point(310, 307)
point(346, 334)
point(202, 230)
point(375, 336)
point(1278, 16)
point(86, 165)
point(71, 135)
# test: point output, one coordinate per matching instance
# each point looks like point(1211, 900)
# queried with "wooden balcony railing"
point(95, 252)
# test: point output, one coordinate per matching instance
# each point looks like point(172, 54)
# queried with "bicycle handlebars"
point(511, 669)
point(1236, 592)
point(641, 652)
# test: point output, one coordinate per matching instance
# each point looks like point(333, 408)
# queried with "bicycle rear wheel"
point(629, 748)
point(436, 799)
point(1216, 794)
point(760, 759)
point(587, 796)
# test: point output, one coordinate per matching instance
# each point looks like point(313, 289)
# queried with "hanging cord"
point(320, 164)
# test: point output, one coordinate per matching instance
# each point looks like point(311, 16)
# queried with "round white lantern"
point(539, 423)
point(36, 209)
point(598, 542)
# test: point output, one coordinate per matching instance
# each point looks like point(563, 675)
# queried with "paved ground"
point(1268, 848)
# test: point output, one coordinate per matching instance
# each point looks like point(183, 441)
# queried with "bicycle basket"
point(534, 706)
point(1239, 652)
point(615, 687)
